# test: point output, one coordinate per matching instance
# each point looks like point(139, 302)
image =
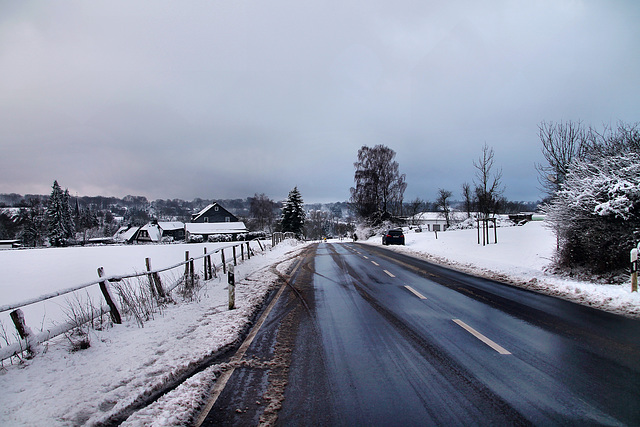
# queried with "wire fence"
point(28, 340)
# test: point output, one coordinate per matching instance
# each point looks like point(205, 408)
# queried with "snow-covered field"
point(126, 364)
point(26, 274)
point(520, 257)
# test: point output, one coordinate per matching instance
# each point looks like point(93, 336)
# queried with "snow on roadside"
point(126, 364)
point(520, 258)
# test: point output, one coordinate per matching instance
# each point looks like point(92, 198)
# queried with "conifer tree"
point(59, 216)
point(293, 214)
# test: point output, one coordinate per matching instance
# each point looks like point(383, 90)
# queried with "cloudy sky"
point(227, 98)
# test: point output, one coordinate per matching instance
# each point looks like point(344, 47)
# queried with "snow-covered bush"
point(596, 213)
point(216, 238)
point(196, 238)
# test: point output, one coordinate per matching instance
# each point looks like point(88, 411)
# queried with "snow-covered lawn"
point(126, 363)
point(520, 258)
point(30, 273)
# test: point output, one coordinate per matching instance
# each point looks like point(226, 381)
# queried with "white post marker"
point(634, 269)
point(232, 288)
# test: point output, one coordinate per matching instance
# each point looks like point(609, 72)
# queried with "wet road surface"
point(366, 336)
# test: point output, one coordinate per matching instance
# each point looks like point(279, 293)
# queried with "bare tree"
point(262, 209)
point(442, 202)
point(467, 198)
point(561, 144)
point(415, 207)
point(488, 185)
point(379, 184)
point(611, 142)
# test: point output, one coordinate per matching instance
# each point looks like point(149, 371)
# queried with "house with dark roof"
point(213, 213)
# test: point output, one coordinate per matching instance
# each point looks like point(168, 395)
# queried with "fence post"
point(235, 259)
point(248, 251)
point(17, 316)
point(154, 280)
point(192, 272)
point(232, 288)
point(224, 265)
point(106, 293)
point(186, 265)
point(634, 270)
point(207, 267)
point(242, 252)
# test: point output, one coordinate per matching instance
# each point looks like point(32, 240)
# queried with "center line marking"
point(481, 337)
point(416, 293)
point(365, 257)
point(390, 275)
point(375, 263)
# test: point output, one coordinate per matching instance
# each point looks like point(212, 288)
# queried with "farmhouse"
point(213, 213)
point(126, 234)
point(155, 232)
point(433, 221)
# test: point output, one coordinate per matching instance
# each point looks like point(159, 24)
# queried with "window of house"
point(215, 208)
point(436, 227)
point(227, 219)
point(206, 219)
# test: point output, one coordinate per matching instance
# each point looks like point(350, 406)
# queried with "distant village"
point(136, 220)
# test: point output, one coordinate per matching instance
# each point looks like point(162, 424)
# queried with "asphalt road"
point(366, 336)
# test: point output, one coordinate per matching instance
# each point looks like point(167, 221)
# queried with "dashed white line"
point(390, 275)
point(375, 263)
point(416, 293)
point(365, 257)
point(481, 337)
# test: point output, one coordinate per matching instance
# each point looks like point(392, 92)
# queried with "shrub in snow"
point(196, 238)
point(215, 238)
point(596, 213)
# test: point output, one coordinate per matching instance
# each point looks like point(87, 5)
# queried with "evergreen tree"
point(59, 216)
point(33, 223)
point(293, 214)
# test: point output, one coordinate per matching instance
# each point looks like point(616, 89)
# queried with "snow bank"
point(521, 258)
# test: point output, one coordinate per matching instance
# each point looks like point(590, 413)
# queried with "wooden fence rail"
point(28, 340)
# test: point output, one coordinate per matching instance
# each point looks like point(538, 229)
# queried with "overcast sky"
point(227, 98)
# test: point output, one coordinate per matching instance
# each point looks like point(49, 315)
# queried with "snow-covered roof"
point(155, 233)
point(171, 225)
point(428, 216)
point(205, 210)
point(436, 216)
point(125, 233)
point(216, 227)
point(12, 213)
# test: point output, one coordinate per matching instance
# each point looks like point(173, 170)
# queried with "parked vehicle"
point(394, 236)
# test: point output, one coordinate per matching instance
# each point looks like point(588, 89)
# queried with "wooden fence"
point(28, 340)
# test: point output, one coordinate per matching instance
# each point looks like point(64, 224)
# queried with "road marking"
point(416, 293)
point(481, 337)
point(375, 263)
point(390, 275)
point(365, 257)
